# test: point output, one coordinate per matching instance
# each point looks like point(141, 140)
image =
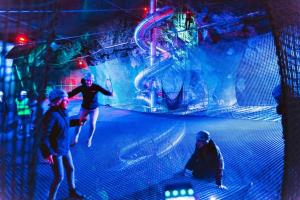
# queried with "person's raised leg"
point(93, 120)
point(82, 115)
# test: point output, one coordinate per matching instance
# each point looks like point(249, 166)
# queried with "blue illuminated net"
point(287, 33)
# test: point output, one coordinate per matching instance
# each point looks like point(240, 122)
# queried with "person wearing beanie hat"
point(56, 96)
point(90, 105)
point(203, 136)
point(55, 143)
point(206, 161)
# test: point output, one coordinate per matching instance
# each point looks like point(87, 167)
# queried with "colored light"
point(167, 193)
point(190, 191)
point(81, 63)
point(175, 193)
point(212, 198)
point(22, 39)
point(183, 192)
point(145, 9)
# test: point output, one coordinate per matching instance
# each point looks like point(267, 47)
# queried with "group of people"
point(56, 141)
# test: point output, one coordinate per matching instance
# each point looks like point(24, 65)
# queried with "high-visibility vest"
point(23, 107)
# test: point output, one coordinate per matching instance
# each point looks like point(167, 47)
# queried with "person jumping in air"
point(90, 105)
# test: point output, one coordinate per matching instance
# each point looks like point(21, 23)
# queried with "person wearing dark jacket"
point(90, 105)
point(55, 144)
point(207, 160)
point(3, 111)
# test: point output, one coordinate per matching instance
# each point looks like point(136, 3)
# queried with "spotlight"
point(21, 39)
point(81, 63)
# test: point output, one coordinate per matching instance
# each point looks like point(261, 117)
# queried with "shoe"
point(75, 195)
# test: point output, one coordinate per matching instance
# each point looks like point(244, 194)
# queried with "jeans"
point(60, 163)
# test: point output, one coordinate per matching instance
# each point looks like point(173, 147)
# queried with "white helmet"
point(23, 93)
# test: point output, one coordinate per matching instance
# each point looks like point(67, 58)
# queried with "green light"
point(175, 193)
point(183, 192)
point(167, 193)
point(190, 191)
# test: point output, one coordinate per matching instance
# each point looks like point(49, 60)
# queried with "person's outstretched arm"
point(220, 169)
point(103, 91)
point(75, 91)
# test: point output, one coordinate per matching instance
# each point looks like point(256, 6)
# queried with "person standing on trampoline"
point(206, 161)
point(55, 143)
point(90, 105)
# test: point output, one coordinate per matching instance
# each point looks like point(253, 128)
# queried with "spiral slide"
point(149, 23)
point(152, 21)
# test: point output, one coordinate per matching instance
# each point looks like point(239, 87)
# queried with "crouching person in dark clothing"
point(55, 145)
point(206, 161)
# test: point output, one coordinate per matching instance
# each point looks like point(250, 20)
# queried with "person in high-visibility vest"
point(24, 115)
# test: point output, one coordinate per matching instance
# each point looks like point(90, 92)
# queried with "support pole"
point(153, 4)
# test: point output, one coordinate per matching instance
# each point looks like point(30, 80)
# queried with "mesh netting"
point(258, 72)
point(285, 21)
point(18, 143)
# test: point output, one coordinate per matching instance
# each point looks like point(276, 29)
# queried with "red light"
point(81, 63)
point(22, 39)
point(145, 9)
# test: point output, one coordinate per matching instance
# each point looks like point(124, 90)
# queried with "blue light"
point(175, 193)
point(190, 191)
point(167, 193)
point(183, 192)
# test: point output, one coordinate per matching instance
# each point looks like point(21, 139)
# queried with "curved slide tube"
point(149, 23)
point(141, 30)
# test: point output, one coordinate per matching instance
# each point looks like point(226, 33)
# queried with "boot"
point(75, 195)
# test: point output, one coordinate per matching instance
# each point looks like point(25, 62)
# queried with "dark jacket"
point(89, 95)
point(3, 106)
point(55, 132)
point(207, 162)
